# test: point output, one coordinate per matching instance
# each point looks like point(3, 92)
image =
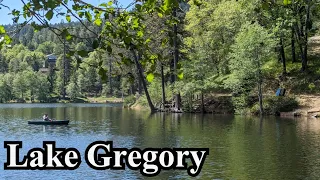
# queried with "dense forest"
point(173, 54)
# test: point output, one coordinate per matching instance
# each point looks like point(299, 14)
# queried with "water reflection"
point(240, 147)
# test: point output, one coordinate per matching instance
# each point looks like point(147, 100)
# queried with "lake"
point(240, 147)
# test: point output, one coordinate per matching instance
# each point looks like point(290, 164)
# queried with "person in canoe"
point(46, 118)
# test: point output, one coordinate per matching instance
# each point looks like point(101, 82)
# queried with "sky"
point(17, 4)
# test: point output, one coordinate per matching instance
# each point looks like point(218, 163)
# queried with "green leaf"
point(95, 44)
point(127, 40)
point(98, 22)
point(7, 39)
point(15, 12)
point(160, 15)
point(148, 40)
point(49, 15)
point(109, 49)
point(106, 15)
point(66, 34)
point(135, 23)
point(68, 18)
point(150, 77)
point(126, 61)
point(167, 5)
point(88, 16)
point(164, 42)
point(104, 5)
point(51, 4)
point(139, 33)
point(68, 37)
point(138, 7)
point(197, 2)
point(103, 74)
point(80, 14)
point(180, 75)
point(71, 53)
point(110, 3)
point(286, 2)
point(2, 30)
point(82, 53)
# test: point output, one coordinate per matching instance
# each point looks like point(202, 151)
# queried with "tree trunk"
point(64, 68)
point(163, 86)
point(32, 96)
point(293, 48)
point(141, 77)
point(122, 95)
point(172, 78)
point(139, 87)
point(283, 57)
point(131, 89)
point(110, 77)
point(305, 50)
point(202, 103)
point(139, 81)
point(176, 59)
point(299, 39)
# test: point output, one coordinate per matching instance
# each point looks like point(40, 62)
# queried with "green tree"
point(46, 48)
point(73, 90)
point(20, 85)
point(253, 47)
point(42, 90)
point(31, 82)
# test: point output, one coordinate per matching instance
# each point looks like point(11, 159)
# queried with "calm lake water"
point(240, 147)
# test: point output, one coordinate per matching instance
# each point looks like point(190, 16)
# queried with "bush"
point(240, 104)
point(142, 101)
point(155, 92)
point(73, 90)
point(129, 100)
point(276, 104)
point(311, 87)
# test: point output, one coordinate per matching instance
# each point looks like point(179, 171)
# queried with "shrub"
point(276, 104)
point(240, 104)
point(142, 101)
point(129, 100)
point(155, 92)
point(311, 87)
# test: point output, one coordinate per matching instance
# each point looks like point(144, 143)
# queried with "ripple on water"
point(240, 147)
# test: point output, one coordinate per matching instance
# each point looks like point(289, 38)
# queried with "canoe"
point(55, 122)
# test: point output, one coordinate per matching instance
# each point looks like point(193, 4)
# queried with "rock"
point(316, 115)
point(290, 114)
point(315, 110)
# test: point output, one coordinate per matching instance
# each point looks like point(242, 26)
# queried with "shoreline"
point(79, 100)
point(309, 105)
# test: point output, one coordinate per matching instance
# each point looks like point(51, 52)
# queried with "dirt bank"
point(309, 105)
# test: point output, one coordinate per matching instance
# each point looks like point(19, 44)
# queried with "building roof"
point(51, 58)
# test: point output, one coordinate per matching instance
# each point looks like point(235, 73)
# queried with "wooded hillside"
point(160, 52)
